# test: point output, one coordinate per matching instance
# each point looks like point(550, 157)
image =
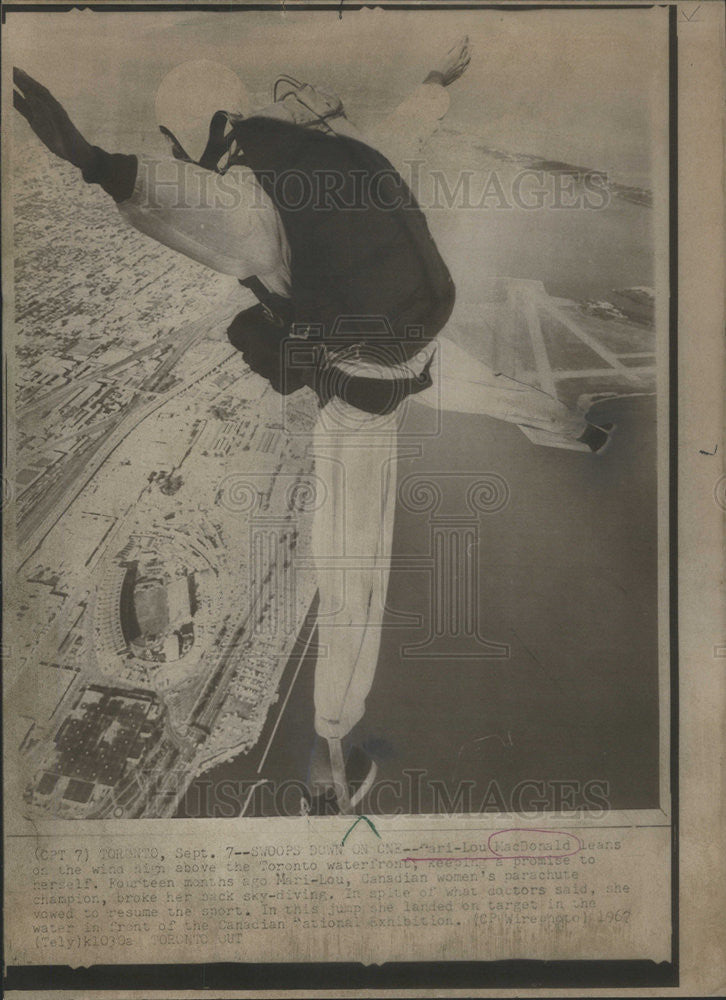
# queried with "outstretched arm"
point(177, 204)
point(402, 134)
point(453, 64)
point(49, 120)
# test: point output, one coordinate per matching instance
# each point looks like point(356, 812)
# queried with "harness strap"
point(271, 303)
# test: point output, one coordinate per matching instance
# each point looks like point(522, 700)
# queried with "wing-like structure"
point(579, 352)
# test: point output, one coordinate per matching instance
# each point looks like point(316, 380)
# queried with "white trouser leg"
point(355, 457)
point(465, 385)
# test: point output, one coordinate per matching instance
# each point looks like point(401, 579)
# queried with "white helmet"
point(190, 94)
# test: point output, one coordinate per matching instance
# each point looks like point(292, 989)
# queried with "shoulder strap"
point(257, 288)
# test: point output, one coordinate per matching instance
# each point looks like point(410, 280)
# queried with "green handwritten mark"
point(355, 824)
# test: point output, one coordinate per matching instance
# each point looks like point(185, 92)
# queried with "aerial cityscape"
point(158, 509)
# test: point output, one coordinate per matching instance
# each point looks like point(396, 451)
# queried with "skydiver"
point(315, 268)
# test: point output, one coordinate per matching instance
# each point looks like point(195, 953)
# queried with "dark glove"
point(50, 122)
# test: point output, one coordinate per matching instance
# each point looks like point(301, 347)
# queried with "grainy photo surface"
point(427, 531)
point(339, 485)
